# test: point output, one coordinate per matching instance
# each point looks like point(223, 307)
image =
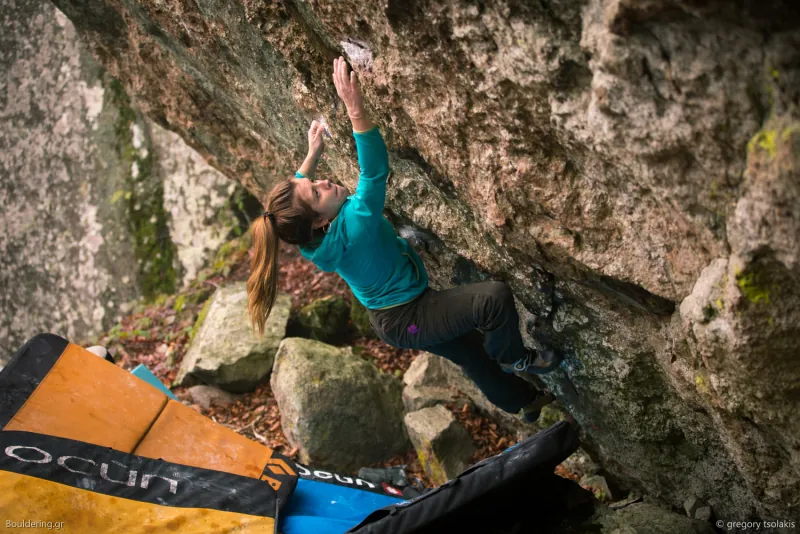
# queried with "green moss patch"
point(200, 318)
point(752, 288)
point(790, 131)
point(360, 318)
point(764, 140)
point(229, 254)
point(144, 194)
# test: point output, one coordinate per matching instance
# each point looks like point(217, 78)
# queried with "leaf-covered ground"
point(157, 334)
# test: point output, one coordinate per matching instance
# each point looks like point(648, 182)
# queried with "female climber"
point(475, 326)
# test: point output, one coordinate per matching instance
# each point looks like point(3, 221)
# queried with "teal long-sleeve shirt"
point(380, 267)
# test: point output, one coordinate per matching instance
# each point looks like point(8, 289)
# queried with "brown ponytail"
point(262, 285)
point(290, 219)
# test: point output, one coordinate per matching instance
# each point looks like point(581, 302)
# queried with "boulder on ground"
point(340, 411)
point(598, 485)
point(225, 351)
point(431, 380)
point(429, 370)
point(208, 396)
point(427, 382)
point(443, 446)
point(417, 398)
point(359, 318)
point(325, 319)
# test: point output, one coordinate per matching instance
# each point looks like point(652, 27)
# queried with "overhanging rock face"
point(593, 154)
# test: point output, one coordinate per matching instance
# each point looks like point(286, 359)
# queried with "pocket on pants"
point(385, 326)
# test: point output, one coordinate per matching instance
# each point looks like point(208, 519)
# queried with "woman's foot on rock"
point(532, 411)
point(535, 362)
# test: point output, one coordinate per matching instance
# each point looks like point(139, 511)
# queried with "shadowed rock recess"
point(610, 159)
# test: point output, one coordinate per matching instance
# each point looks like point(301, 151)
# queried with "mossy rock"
point(229, 253)
point(752, 287)
point(360, 319)
point(325, 319)
point(339, 410)
point(201, 317)
point(144, 194)
point(443, 446)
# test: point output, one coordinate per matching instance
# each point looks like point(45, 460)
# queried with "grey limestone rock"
point(100, 206)
point(225, 351)
point(443, 446)
point(208, 396)
point(339, 410)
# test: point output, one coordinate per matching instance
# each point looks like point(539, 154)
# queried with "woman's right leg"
point(506, 391)
point(446, 322)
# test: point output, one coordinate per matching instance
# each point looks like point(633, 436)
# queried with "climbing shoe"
point(536, 362)
point(531, 412)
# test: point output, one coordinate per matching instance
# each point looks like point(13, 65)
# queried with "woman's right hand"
point(348, 89)
point(316, 144)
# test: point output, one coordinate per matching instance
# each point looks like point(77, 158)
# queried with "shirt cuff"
point(365, 131)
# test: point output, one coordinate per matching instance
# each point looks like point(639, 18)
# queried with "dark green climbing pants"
point(474, 326)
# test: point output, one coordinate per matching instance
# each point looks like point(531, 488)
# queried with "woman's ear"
point(319, 223)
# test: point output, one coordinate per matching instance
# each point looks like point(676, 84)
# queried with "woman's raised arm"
point(350, 92)
point(373, 159)
point(316, 146)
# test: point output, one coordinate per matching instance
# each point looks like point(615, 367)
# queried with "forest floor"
point(158, 333)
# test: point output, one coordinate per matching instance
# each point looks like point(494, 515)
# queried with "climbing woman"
point(475, 326)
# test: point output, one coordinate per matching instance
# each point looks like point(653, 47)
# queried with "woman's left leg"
point(446, 323)
point(437, 317)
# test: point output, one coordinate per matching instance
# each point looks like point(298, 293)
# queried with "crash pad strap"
point(61, 480)
point(20, 377)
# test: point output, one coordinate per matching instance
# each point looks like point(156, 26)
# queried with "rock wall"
point(200, 201)
point(98, 206)
point(58, 161)
point(608, 158)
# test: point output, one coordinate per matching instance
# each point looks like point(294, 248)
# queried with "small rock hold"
point(206, 396)
point(703, 513)
point(691, 505)
point(358, 53)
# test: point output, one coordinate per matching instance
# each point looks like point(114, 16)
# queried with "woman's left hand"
point(316, 143)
